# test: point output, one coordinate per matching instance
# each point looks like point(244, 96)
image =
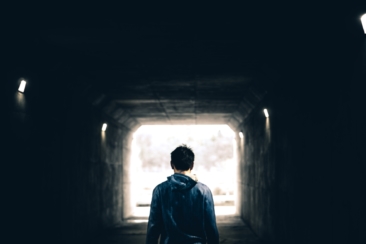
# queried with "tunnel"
point(288, 80)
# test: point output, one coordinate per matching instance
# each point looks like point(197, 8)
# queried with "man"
point(182, 209)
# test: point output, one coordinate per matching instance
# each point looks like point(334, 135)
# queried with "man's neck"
point(184, 172)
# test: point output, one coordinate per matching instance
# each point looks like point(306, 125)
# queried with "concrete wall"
point(257, 174)
point(303, 180)
point(64, 179)
point(116, 144)
point(64, 176)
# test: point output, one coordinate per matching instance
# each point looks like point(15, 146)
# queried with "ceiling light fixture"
point(104, 127)
point(22, 86)
point(363, 21)
point(241, 135)
point(266, 112)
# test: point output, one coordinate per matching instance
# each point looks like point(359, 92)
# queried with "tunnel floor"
point(232, 230)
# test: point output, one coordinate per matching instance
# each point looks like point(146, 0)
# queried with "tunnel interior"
point(301, 169)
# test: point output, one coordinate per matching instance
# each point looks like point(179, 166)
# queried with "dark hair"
point(182, 157)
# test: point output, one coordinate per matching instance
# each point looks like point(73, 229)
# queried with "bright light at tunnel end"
point(22, 86)
point(266, 112)
point(363, 21)
point(221, 178)
point(104, 127)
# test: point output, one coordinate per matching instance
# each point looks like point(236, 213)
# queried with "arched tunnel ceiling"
point(164, 73)
point(197, 100)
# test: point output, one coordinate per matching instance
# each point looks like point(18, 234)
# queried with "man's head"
point(182, 158)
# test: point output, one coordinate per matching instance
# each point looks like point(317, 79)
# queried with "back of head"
point(182, 158)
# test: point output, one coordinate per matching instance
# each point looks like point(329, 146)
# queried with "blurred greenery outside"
point(215, 163)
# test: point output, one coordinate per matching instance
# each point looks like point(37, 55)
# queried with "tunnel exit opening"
point(215, 162)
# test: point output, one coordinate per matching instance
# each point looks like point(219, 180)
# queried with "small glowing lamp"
point(241, 135)
point(266, 112)
point(363, 21)
point(104, 127)
point(22, 86)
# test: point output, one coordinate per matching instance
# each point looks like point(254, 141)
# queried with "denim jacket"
point(182, 211)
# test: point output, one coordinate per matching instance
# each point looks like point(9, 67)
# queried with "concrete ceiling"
point(209, 68)
point(166, 73)
point(186, 65)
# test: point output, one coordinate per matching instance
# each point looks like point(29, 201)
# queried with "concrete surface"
point(231, 229)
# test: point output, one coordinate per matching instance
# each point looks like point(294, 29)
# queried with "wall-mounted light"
point(22, 86)
point(265, 111)
point(363, 21)
point(104, 127)
point(241, 135)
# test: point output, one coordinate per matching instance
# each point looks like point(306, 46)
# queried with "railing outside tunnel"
point(215, 162)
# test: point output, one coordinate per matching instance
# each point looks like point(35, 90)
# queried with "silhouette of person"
point(182, 209)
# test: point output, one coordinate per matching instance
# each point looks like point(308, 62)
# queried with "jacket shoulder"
point(205, 190)
point(162, 185)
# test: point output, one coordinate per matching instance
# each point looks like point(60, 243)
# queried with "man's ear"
point(172, 165)
point(192, 165)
